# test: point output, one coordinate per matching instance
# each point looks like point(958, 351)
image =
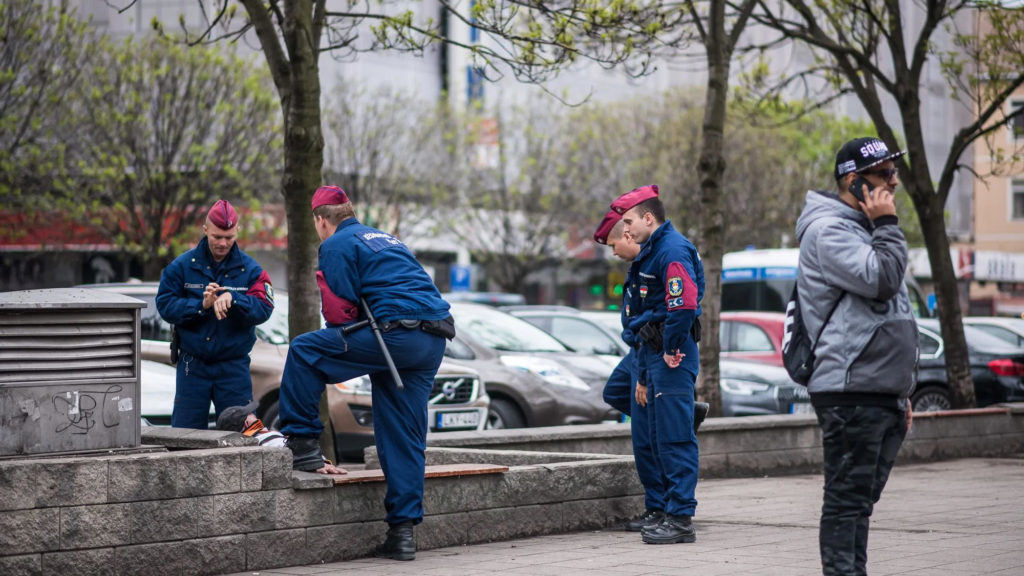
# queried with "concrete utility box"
point(69, 371)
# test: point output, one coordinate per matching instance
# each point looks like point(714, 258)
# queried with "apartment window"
point(1017, 200)
point(1017, 124)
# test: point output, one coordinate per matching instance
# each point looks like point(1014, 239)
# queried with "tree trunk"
point(711, 241)
point(958, 371)
point(303, 165)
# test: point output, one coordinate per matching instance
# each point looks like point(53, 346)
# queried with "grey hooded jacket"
point(868, 351)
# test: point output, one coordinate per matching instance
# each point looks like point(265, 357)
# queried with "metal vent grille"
point(70, 345)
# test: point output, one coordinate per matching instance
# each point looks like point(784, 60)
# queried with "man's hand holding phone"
point(874, 202)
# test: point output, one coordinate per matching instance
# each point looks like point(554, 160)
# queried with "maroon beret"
point(223, 215)
point(630, 199)
point(611, 218)
point(327, 195)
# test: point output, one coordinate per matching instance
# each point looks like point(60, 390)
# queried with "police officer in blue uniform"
point(214, 295)
point(666, 286)
point(358, 262)
point(621, 391)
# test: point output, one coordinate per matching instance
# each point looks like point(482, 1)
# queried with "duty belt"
point(445, 328)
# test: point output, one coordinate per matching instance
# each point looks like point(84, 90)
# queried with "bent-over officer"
point(361, 263)
point(666, 286)
point(215, 295)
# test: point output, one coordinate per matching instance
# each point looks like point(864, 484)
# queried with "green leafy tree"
point(879, 51)
point(44, 52)
point(166, 131)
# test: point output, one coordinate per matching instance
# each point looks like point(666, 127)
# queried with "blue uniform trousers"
point(399, 416)
point(620, 393)
point(225, 382)
point(670, 397)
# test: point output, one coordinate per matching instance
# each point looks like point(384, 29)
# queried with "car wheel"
point(504, 414)
point(931, 399)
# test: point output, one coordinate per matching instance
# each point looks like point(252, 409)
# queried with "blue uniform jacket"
point(667, 283)
point(180, 302)
point(359, 261)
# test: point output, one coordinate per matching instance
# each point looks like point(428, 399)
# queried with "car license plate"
point(458, 419)
point(801, 408)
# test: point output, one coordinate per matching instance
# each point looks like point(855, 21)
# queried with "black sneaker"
point(649, 519)
point(700, 412)
point(306, 453)
point(399, 544)
point(672, 530)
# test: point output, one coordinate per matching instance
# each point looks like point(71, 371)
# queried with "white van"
point(763, 280)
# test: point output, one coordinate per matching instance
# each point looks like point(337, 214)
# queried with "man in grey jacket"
point(853, 258)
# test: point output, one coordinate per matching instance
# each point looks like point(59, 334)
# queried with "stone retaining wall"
point(229, 507)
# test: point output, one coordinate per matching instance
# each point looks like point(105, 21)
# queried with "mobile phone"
point(859, 187)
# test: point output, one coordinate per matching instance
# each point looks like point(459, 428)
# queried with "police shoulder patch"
point(675, 286)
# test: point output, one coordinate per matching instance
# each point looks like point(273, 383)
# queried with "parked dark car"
point(753, 388)
point(532, 378)
point(997, 369)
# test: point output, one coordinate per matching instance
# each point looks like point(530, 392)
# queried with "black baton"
point(372, 323)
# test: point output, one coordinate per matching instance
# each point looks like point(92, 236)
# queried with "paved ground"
point(956, 518)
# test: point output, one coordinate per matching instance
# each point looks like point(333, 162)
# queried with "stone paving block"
point(516, 522)
point(359, 502)
point(277, 548)
point(155, 559)
point(239, 512)
point(173, 475)
point(339, 542)
point(94, 562)
point(441, 530)
point(294, 508)
point(95, 526)
point(27, 565)
point(277, 468)
point(40, 484)
point(221, 555)
point(251, 464)
point(788, 461)
point(26, 531)
point(588, 514)
point(161, 520)
point(456, 494)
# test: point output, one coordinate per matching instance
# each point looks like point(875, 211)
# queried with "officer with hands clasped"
point(665, 287)
point(214, 295)
point(358, 263)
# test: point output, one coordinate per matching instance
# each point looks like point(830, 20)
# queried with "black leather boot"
point(400, 543)
point(306, 453)
point(672, 530)
point(649, 519)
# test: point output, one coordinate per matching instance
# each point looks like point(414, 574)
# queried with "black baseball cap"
point(860, 154)
point(233, 417)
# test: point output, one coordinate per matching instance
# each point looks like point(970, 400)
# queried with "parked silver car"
point(532, 378)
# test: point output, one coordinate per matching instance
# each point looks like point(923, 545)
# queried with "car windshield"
point(501, 331)
point(275, 330)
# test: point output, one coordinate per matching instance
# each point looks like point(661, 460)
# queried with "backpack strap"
point(827, 318)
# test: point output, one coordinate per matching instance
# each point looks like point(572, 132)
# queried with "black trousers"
point(860, 446)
